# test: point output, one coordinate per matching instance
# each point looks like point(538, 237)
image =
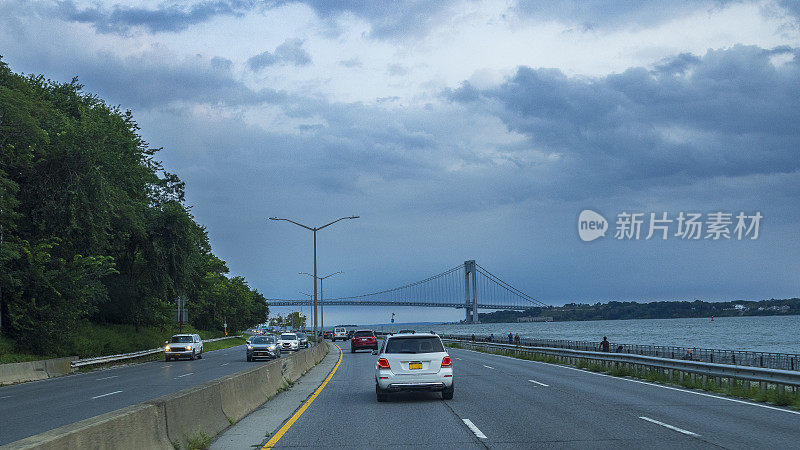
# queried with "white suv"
point(289, 341)
point(183, 346)
point(339, 333)
point(413, 362)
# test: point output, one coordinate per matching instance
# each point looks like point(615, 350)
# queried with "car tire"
point(191, 358)
point(249, 358)
point(200, 356)
point(447, 394)
point(380, 393)
point(167, 358)
point(352, 350)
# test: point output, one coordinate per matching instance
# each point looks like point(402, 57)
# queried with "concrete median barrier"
point(34, 370)
point(137, 426)
point(172, 420)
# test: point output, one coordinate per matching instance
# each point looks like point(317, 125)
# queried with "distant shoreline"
point(575, 312)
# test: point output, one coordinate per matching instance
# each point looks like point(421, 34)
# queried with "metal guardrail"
point(785, 361)
point(124, 356)
point(707, 369)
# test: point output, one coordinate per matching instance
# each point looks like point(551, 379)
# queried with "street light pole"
point(301, 306)
point(321, 295)
point(314, 230)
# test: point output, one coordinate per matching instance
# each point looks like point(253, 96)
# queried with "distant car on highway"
point(303, 340)
point(183, 346)
point(363, 339)
point(413, 362)
point(289, 341)
point(339, 334)
point(263, 347)
point(328, 335)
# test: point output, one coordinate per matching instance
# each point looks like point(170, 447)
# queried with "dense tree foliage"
point(92, 227)
point(653, 310)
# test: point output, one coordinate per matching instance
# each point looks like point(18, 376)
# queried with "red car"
point(363, 339)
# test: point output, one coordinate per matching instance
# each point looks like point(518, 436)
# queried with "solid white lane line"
point(540, 384)
point(703, 394)
point(488, 367)
point(104, 395)
point(185, 375)
point(666, 425)
point(107, 378)
point(474, 429)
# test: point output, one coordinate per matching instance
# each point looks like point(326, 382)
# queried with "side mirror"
point(166, 342)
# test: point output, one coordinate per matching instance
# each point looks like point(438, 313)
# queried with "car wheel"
point(447, 394)
point(249, 358)
point(352, 350)
point(380, 393)
point(167, 358)
point(193, 356)
point(200, 356)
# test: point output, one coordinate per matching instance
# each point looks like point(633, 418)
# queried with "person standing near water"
point(605, 345)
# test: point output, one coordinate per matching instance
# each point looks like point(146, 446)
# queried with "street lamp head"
point(274, 218)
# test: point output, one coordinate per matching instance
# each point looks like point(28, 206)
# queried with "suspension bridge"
point(469, 286)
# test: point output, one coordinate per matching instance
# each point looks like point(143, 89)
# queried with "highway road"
point(31, 408)
point(502, 402)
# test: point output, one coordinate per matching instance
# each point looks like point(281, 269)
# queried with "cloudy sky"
point(458, 130)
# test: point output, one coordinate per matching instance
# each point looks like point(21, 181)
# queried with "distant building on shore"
point(534, 319)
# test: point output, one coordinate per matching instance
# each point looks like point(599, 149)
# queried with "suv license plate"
point(413, 366)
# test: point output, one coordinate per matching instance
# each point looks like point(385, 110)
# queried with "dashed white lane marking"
point(7, 396)
point(540, 384)
point(224, 364)
point(107, 378)
point(185, 375)
point(105, 395)
point(168, 365)
point(474, 429)
point(488, 367)
point(458, 359)
point(666, 425)
point(645, 383)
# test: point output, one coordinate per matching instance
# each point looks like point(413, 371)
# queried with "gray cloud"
point(290, 52)
point(728, 113)
point(121, 18)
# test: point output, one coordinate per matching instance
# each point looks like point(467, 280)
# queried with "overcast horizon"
point(458, 130)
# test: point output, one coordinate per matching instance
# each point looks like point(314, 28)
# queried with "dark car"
point(363, 339)
point(263, 347)
point(406, 332)
point(328, 335)
point(350, 334)
point(303, 339)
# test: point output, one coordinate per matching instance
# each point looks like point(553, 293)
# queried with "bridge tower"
point(471, 301)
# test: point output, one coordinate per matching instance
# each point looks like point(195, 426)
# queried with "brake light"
point(447, 362)
point(383, 363)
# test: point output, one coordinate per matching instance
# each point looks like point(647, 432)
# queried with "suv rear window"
point(363, 334)
point(430, 344)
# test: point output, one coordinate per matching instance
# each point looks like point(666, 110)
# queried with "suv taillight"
point(383, 363)
point(447, 362)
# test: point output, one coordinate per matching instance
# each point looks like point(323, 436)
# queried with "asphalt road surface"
point(31, 408)
point(502, 402)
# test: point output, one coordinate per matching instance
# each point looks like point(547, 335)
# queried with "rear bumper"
point(424, 382)
point(363, 346)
